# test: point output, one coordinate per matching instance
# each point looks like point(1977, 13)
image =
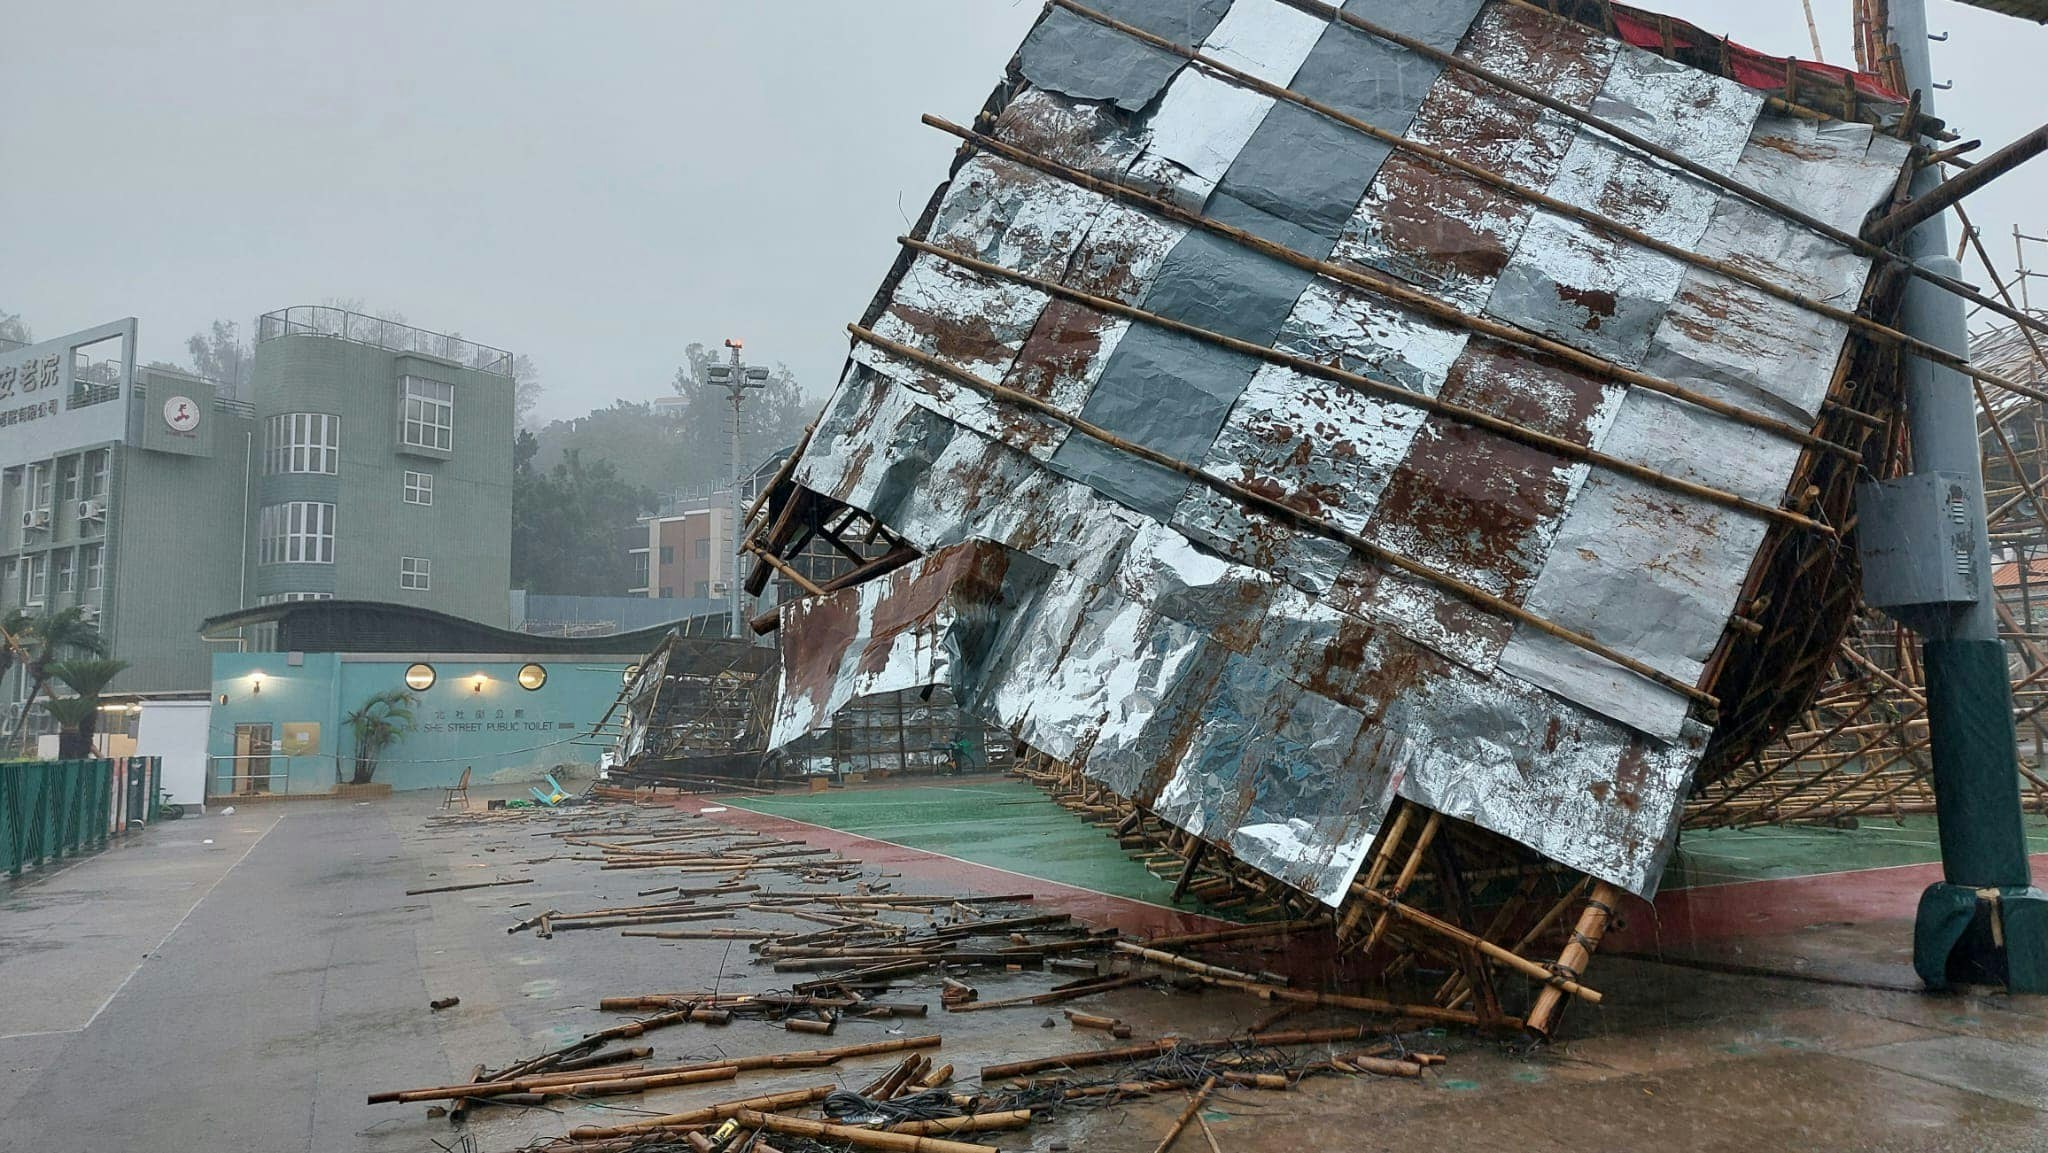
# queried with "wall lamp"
point(255, 684)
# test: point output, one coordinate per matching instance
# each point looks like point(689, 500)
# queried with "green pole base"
point(1954, 942)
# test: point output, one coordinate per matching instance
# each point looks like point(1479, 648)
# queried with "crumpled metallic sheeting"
point(842, 447)
point(1737, 343)
point(640, 706)
point(974, 322)
point(1361, 333)
point(1423, 612)
point(1324, 448)
point(1015, 216)
point(1597, 292)
point(1078, 57)
point(1122, 254)
point(922, 624)
point(1446, 232)
point(1092, 137)
point(1575, 788)
point(1258, 681)
point(1305, 560)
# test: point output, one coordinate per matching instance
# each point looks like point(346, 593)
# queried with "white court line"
point(159, 945)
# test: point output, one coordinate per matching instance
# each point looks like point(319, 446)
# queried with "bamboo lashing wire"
point(1282, 511)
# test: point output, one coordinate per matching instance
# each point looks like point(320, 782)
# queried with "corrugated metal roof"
point(1270, 473)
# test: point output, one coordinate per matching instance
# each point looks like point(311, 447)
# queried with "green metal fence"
point(53, 809)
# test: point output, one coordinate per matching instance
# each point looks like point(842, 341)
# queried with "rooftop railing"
point(376, 332)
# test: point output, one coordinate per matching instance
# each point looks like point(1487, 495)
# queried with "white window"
point(96, 464)
point(35, 574)
point(292, 598)
point(67, 571)
point(428, 419)
point(68, 470)
point(296, 532)
point(95, 566)
point(419, 487)
point(303, 442)
point(415, 573)
point(39, 487)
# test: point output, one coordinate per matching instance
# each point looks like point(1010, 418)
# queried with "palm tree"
point(14, 637)
point(75, 717)
point(88, 677)
point(382, 719)
point(48, 639)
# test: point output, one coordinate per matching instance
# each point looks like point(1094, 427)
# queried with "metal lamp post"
point(736, 378)
point(1984, 922)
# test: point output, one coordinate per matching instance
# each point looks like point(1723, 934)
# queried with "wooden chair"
point(459, 791)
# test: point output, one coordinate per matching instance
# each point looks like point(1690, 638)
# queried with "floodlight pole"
point(736, 378)
point(1983, 922)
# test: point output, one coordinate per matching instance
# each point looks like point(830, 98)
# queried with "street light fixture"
point(736, 377)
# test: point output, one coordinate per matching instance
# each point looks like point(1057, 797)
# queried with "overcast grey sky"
point(594, 184)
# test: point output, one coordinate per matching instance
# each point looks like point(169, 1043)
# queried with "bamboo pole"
point(1692, 167)
point(863, 1138)
point(1463, 414)
point(1592, 926)
point(1194, 1106)
point(1282, 511)
point(1392, 290)
point(972, 1123)
point(1584, 215)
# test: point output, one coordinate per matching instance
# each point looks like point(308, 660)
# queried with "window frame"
point(35, 580)
point(295, 532)
point(426, 413)
point(419, 488)
point(66, 574)
point(302, 443)
point(415, 574)
point(94, 565)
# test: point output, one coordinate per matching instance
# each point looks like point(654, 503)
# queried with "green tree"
point(771, 418)
point(49, 639)
point(526, 389)
point(220, 354)
point(377, 725)
point(566, 523)
point(638, 441)
point(78, 716)
point(13, 328)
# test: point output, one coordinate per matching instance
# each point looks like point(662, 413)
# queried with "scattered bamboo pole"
point(864, 1138)
point(471, 885)
point(971, 1123)
point(1186, 1115)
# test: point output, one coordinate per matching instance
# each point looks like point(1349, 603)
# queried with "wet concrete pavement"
point(288, 975)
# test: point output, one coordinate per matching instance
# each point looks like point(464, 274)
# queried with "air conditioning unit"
point(35, 518)
point(89, 613)
point(92, 510)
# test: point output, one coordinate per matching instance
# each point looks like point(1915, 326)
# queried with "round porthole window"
point(420, 677)
point(532, 677)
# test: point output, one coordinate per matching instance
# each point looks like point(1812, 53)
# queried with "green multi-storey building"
point(372, 461)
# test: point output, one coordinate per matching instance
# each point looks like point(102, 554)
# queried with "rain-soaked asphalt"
point(246, 994)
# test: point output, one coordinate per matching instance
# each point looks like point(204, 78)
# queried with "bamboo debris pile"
point(856, 950)
point(1481, 931)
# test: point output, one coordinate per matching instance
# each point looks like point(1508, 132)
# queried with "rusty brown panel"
point(1538, 394)
point(1476, 505)
point(1437, 226)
